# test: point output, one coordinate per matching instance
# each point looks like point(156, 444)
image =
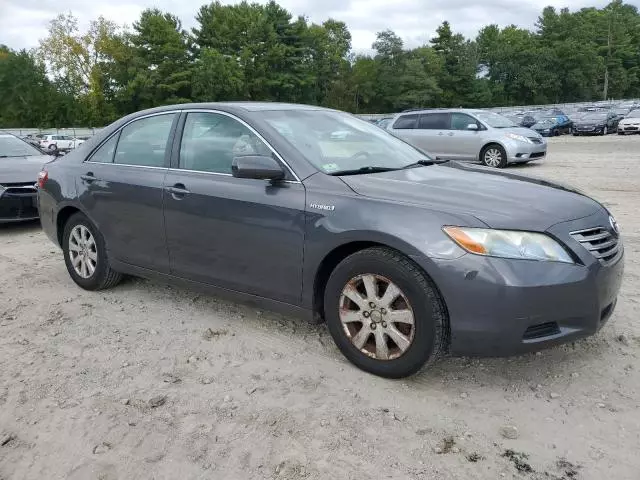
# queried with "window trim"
point(178, 139)
point(119, 131)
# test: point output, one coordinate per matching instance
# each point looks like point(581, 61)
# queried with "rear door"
point(121, 188)
point(241, 234)
point(463, 143)
point(434, 133)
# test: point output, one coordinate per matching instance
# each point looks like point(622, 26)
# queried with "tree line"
point(251, 51)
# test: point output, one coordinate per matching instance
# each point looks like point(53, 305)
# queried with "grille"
point(536, 140)
point(601, 243)
point(20, 188)
point(542, 330)
point(536, 155)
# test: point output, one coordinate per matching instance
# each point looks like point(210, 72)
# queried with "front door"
point(242, 234)
point(121, 188)
point(466, 143)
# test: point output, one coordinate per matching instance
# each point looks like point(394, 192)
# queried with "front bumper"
point(588, 130)
point(525, 152)
point(18, 205)
point(500, 307)
point(629, 128)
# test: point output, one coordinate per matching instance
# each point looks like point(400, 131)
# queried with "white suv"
point(59, 142)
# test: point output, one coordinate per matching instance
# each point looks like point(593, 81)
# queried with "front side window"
point(406, 122)
point(210, 142)
point(434, 121)
point(461, 121)
point(144, 142)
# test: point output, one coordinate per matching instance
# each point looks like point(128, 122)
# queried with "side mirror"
point(472, 126)
point(259, 167)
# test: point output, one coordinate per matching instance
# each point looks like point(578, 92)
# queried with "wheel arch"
point(338, 254)
point(62, 217)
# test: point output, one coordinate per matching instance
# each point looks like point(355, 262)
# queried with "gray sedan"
point(311, 211)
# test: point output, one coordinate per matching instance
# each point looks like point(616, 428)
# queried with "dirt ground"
point(151, 381)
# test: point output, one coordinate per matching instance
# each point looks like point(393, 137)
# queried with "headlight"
point(508, 244)
point(546, 130)
point(519, 138)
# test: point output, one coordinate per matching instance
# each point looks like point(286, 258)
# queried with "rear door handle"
point(450, 134)
point(88, 177)
point(178, 190)
point(440, 133)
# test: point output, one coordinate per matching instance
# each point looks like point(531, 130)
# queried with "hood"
point(498, 199)
point(630, 121)
point(527, 132)
point(589, 123)
point(21, 169)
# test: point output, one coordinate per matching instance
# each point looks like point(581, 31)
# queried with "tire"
point(556, 133)
point(604, 131)
point(428, 336)
point(53, 147)
point(101, 276)
point(498, 158)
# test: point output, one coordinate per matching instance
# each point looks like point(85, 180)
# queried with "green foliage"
point(251, 51)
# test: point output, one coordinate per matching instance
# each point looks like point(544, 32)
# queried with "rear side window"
point(144, 142)
point(406, 122)
point(105, 153)
point(434, 121)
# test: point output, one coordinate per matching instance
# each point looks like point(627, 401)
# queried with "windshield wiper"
point(362, 170)
point(425, 163)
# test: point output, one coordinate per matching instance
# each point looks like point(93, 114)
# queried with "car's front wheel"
point(85, 255)
point(385, 315)
point(494, 156)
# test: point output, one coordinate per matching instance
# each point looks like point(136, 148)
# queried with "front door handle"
point(178, 190)
point(440, 133)
point(88, 177)
point(450, 134)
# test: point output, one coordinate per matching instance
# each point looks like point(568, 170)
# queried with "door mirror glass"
point(261, 167)
point(472, 126)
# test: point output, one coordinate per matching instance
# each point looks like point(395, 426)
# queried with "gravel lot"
point(151, 381)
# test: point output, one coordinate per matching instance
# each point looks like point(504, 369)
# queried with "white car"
point(630, 123)
point(59, 142)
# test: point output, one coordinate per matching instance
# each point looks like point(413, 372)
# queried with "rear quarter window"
point(406, 122)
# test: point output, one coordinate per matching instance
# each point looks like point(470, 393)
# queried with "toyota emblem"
point(614, 225)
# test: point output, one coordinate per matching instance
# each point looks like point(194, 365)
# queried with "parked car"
point(384, 122)
point(20, 164)
point(472, 135)
point(405, 257)
point(596, 123)
point(630, 124)
point(548, 127)
point(59, 142)
point(528, 120)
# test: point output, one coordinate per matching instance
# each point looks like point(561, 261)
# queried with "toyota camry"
point(312, 211)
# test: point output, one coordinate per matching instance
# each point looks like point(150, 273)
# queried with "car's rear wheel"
point(385, 315)
point(494, 156)
point(53, 147)
point(85, 255)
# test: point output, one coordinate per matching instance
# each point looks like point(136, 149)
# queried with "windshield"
point(335, 141)
point(634, 114)
point(11, 146)
point(594, 117)
point(495, 120)
point(547, 122)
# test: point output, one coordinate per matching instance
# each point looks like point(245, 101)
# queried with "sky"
point(24, 22)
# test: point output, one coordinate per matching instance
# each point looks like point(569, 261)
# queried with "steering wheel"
point(360, 154)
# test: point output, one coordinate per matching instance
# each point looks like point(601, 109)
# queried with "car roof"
point(234, 106)
point(443, 110)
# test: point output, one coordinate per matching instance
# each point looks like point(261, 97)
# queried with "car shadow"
point(16, 228)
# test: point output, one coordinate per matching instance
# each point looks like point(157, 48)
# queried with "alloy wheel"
point(83, 251)
point(376, 317)
point(492, 157)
